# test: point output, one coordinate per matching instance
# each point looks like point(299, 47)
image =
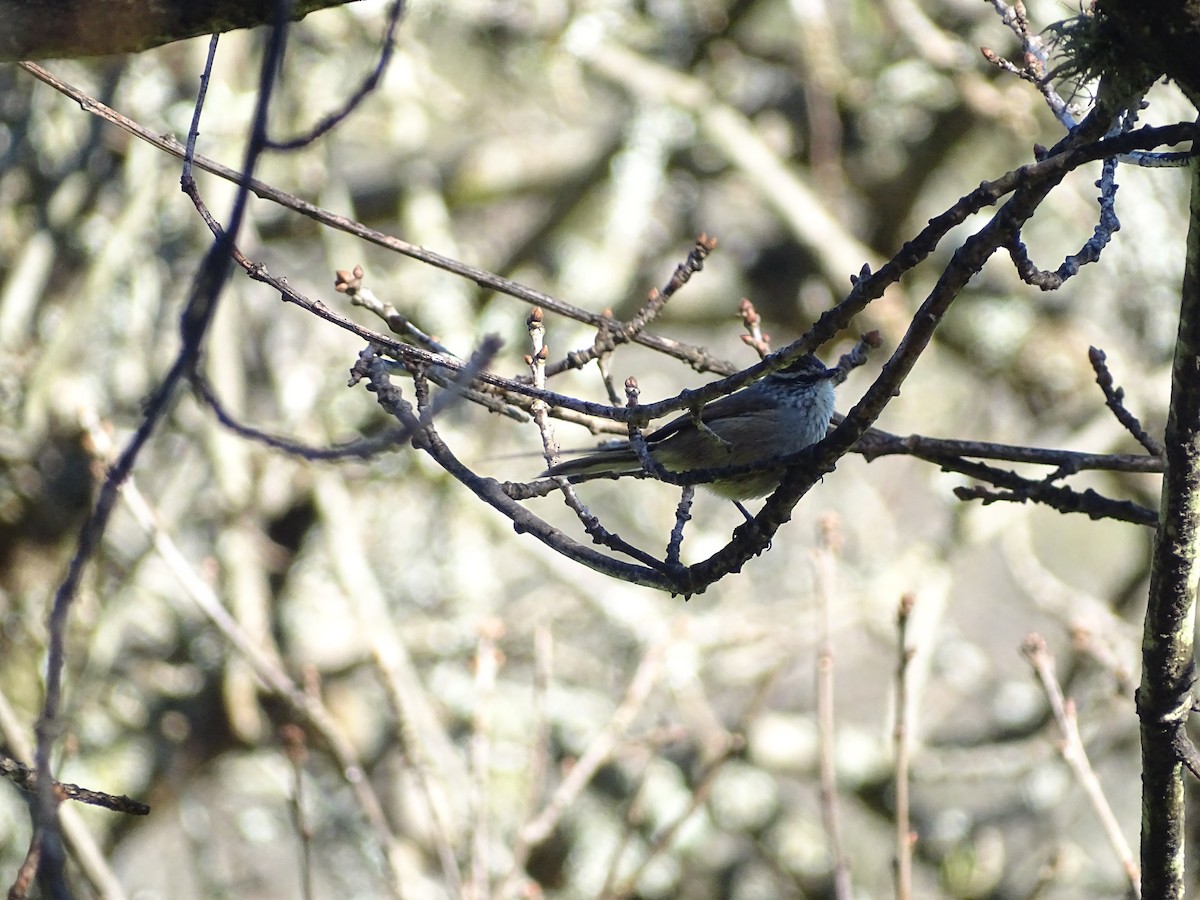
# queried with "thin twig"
point(19, 889)
point(487, 664)
point(601, 747)
point(612, 333)
point(1114, 398)
point(351, 284)
point(93, 862)
point(296, 751)
point(901, 746)
point(1075, 755)
point(825, 563)
point(194, 129)
point(364, 90)
point(754, 337)
point(539, 757)
point(683, 515)
point(25, 778)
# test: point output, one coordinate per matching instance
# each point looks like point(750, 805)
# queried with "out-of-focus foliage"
point(497, 138)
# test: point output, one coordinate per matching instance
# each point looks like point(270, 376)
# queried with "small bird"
point(780, 414)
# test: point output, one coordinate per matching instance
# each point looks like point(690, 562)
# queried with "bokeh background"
point(809, 137)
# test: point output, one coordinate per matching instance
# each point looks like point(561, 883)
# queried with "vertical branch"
point(901, 745)
point(194, 322)
point(826, 576)
point(487, 664)
point(1074, 753)
point(539, 758)
point(683, 515)
point(1168, 671)
point(296, 750)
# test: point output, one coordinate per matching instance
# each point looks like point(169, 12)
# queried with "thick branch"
point(1168, 670)
point(70, 28)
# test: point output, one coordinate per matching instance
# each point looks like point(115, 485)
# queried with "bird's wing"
point(739, 404)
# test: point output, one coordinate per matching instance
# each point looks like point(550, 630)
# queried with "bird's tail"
point(612, 460)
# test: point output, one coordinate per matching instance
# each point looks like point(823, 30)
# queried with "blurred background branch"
point(504, 148)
